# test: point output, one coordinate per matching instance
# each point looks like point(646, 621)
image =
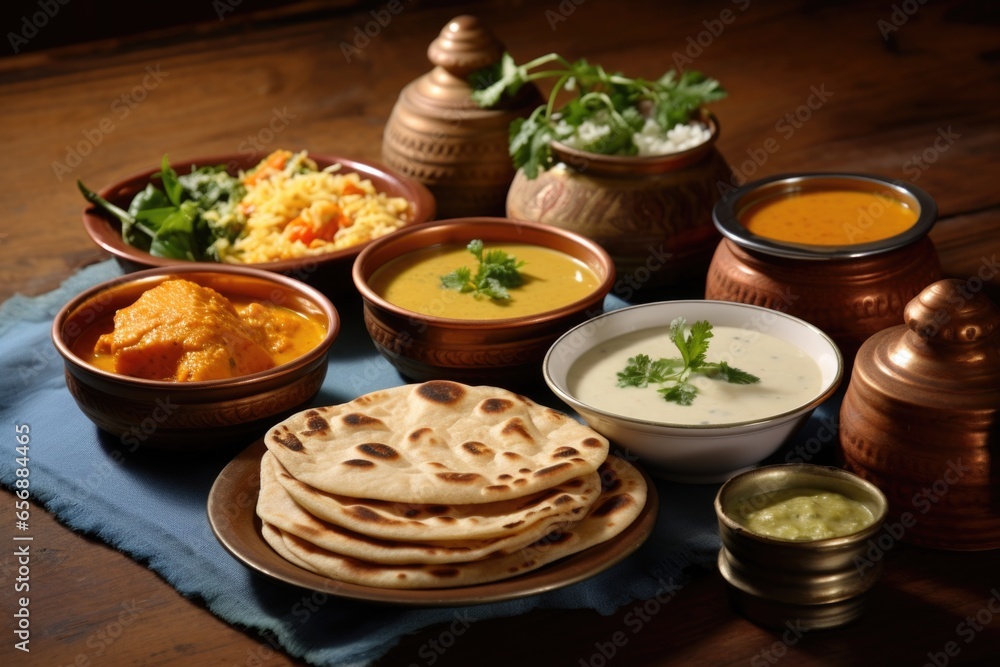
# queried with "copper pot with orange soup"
point(845, 252)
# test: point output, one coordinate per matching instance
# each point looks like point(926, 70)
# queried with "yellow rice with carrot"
point(294, 209)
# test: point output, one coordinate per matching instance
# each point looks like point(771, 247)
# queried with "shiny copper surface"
point(849, 299)
point(652, 214)
point(921, 418)
point(502, 351)
point(438, 136)
point(182, 416)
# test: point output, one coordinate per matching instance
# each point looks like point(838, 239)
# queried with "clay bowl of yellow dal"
point(701, 422)
point(194, 357)
point(459, 329)
point(845, 252)
point(315, 243)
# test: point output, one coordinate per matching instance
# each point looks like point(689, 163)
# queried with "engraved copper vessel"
point(921, 418)
point(653, 214)
point(850, 291)
point(202, 415)
point(438, 136)
point(505, 351)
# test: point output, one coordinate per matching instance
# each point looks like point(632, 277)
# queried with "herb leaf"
point(495, 274)
point(172, 221)
point(616, 103)
point(642, 370)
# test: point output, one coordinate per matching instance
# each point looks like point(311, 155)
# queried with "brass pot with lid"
point(920, 418)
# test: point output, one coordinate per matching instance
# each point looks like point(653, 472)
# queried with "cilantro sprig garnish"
point(618, 102)
point(642, 370)
point(496, 273)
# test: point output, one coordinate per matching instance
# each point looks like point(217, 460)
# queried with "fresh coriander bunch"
point(605, 111)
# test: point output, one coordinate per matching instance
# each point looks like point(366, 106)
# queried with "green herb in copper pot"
point(610, 114)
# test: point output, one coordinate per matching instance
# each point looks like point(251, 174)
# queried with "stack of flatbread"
point(439, 484)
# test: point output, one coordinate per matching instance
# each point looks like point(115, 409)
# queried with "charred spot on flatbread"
point(515, 427)
point(565, 453)
point(357, 419)
point(359, 463)
point(477, 448)
point(552, 470)
point(379, 450)
point(316, 424)
point(423, 434)
point(288, 440)
point(459, 477)
point(592, 442)
point(613, 505)
point(496, 406)
point(442, 391)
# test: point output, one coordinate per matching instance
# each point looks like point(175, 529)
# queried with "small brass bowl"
point(192, 416)
point(812, 584)
point(849, 291)
point(506, 351)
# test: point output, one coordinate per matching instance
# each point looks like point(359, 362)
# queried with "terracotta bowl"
point(495, 351)
point(653, 214)
point(200, 415)
point(849, 291)
point(331, 273)
point(688, 452)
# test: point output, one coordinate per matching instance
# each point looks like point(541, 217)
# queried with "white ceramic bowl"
point(694, 453)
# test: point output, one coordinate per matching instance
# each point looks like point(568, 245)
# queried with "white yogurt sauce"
point(788, 378)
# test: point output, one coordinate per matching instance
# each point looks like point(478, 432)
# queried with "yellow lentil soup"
point(829, 217)
point(551, 279)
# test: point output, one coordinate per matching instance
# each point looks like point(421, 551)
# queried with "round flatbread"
point(436, 442)
point(421, 522)
point(620, 502)
point(276, 507)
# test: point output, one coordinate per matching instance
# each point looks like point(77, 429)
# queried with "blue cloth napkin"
point(152, 507)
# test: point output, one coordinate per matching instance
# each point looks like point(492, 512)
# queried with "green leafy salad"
point(610, 113)
point(674, 373)
point(185, 217)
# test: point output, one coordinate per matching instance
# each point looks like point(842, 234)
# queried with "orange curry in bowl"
point(185, 332)
point(833, 217)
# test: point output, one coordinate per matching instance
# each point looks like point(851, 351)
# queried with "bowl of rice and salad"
point(296, 213)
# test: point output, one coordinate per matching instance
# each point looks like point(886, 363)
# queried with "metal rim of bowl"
point(152, 274)
point(565, 395)
point(782, 473)
point(727, 211)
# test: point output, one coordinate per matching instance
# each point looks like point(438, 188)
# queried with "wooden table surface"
point(907, 90)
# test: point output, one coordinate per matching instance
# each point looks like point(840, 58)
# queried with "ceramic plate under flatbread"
point(231, 512)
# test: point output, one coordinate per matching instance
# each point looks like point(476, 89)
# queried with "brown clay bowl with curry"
point(431, 310)
point(194, 357)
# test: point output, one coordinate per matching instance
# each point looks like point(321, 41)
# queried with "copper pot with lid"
point(921, 418)
point(850, 291)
